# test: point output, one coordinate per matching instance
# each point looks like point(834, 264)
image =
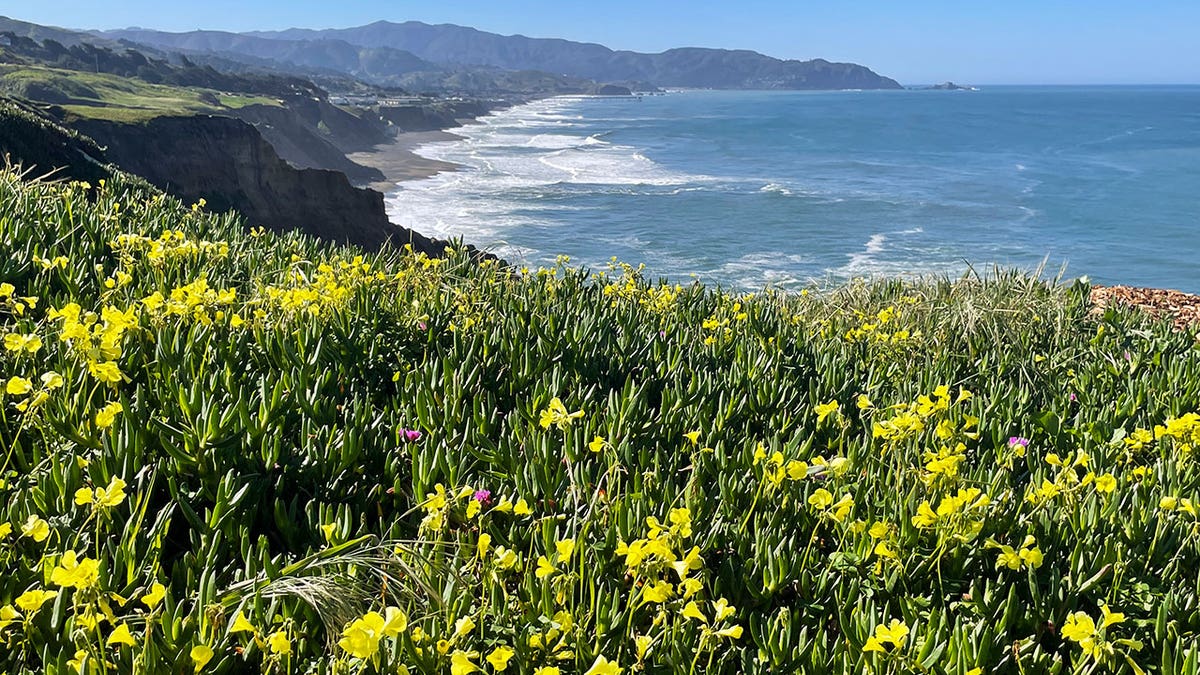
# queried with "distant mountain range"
point(386, 51)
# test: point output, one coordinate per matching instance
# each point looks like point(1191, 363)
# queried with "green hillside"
point(112, 97)
point(229, 451)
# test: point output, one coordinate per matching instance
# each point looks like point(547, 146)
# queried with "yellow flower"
point(279, 643)
point(544, 568)
point(565, 548)
point(73, 572)
point(505, 558)
point(734, 632)
point(556, 414)
point(435, 500)
point(1030, 554)
point(201, 655)
point(107, 414)
point(1109, 618)
point(658, 592)
point(36, 529)
point(602, 666)
point(361, 638)
point(105, 497)
point(873, 645)
point(722, 610)
point(825, 409)
point(395, 621)
point(8, 614)
point(1079, 627)
point(106, 371)
point(499, 658)
point(896, 633)
point(842, 509)
point(463, 626)
point(597, 444)
point(32, 600)
point(461, 664)
point(863, 402)
point(18, 386)
point(642, 643)
point(547, 670)
point(797, 470)
point(5, 529)
point(693, 437)
point(1106, 483)
point(692, 611)
point(484, 542)
point(820, 499)
point(121, 636)
point(241, 624)
point(15, 342)
point(1009, 558)
point(925, 518)
point(521, 508)
point(52, 380)
point(155, 596)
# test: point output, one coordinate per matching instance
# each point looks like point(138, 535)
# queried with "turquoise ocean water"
point(754, 189)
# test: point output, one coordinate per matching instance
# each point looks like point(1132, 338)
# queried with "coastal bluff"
point(229, 164)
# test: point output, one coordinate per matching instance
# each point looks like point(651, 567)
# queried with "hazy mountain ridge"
point(447, 45)
point(381, 66)
point(322, 53)
point(685, 67)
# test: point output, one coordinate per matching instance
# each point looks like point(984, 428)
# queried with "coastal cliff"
point(434, 116)
point(301, 144)
point(229, 164)
point(45, 148)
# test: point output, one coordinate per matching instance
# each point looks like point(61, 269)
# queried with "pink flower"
point(410, 435)
point(483, 496)
point(1017, 440)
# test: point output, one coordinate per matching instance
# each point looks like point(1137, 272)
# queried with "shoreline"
point(398, 162)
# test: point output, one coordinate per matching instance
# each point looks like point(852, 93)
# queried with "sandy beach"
point(399, 163)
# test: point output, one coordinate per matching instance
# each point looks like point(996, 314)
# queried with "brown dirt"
point(1182, 308)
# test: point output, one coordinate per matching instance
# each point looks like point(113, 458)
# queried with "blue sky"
point(994, 42)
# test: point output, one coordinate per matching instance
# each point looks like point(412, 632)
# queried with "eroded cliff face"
point(300, 144)
point(228, 163)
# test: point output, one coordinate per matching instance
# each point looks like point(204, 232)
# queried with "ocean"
point(750, 190)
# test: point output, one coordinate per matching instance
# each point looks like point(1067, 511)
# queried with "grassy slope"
point(110, 97)
point(268, 470)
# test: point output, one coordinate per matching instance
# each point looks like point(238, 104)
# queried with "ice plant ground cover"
point(231, 451)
